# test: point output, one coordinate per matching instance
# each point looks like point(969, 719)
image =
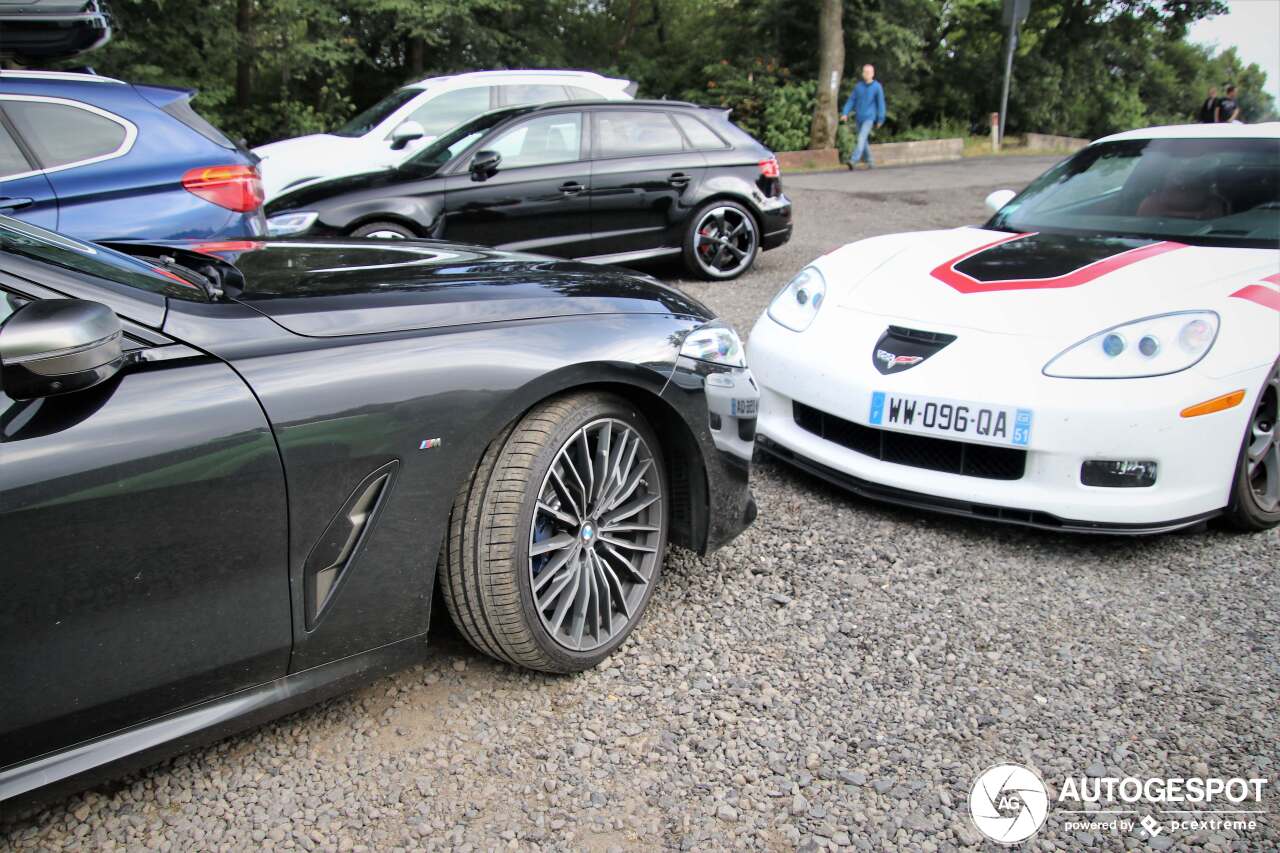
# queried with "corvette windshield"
point(1200, 191)
point(37, 244)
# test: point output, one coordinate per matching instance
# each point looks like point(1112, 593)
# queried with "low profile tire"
point(384, 230)
point(557, 542)
point(1255, 493)
point(721, 241)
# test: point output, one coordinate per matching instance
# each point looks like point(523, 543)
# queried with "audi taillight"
point(237, 188)
point(770, 169)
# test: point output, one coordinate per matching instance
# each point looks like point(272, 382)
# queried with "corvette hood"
point(1037, 284)
point(359, 287)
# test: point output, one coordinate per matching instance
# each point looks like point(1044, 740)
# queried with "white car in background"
point(1102, 355)
point(414, 115)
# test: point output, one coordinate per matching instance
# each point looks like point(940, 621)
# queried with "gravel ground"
point(837, 676)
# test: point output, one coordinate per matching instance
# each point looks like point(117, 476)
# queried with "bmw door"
point(25, 192)
point(537, 200)
point(643, 181)
point(143, 544)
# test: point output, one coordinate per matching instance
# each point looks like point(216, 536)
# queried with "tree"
point(830, 70)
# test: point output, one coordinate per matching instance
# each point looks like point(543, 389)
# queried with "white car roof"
point(513, 75)
point(1265, 130)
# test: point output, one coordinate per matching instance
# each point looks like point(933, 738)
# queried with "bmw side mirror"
point(999, 199)
point(56, 346)
point(405, 133)
point(484, 165)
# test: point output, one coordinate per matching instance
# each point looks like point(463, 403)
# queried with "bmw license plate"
point(955, 419)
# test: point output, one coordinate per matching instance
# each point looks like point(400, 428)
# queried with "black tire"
point(1249, 510)
point(385, 230)
point(703, 230)
point(488, 575)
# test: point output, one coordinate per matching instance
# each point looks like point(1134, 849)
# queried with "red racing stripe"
point(948, 274)
point(1265, 296)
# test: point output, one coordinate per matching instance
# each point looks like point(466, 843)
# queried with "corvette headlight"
point(715, 342)
point(798, 303)
point(1153, 346)
point(294, 222)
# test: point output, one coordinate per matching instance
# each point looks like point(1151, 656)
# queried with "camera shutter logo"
point(1008, 803)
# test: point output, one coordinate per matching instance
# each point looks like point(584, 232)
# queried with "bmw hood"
point(1036, 284)
point(358, 287)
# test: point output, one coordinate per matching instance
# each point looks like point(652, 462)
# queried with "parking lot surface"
point(839, 675)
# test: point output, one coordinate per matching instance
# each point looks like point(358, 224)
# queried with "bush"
point(788, 116)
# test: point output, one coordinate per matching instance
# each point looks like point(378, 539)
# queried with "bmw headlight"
point(1152, 346)
point(293, 222)
point(715, 342)
point(798, 303)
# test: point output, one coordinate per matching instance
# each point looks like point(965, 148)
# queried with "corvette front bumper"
point(1074, 421)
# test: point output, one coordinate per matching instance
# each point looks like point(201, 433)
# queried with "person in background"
point(1209, 109)
point(866, 102)
point(1229, 107)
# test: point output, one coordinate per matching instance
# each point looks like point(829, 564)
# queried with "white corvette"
point(1102, 355)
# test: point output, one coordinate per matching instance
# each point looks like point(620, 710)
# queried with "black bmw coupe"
point(610, 182)
point(232, 474)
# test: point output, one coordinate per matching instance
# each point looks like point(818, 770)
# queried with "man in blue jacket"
point(866, 102)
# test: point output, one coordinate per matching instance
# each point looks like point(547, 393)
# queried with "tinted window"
point(48, 247)
point(61, 134)
point(377, 114)
point(580, 94)
point(700, 136)
point(12, 161)
point(546, 139)
point(534, 94)
point(1212, 190)
point(182, 111)
point(625, 133)
point(447, 111)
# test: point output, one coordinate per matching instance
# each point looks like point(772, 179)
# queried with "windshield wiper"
point(208, 285)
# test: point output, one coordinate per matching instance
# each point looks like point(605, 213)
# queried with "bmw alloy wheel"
point(595, 535)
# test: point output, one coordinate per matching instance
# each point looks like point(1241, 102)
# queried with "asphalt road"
point(838, 676)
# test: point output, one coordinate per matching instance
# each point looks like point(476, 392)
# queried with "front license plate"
point(951, 418)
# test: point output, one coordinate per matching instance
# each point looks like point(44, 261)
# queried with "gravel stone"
point(908, 648)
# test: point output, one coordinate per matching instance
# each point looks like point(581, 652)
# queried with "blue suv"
point(100, 159)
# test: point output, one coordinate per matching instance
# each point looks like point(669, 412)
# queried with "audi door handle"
point(571, 188)
point(14, 203)
point(679, 179)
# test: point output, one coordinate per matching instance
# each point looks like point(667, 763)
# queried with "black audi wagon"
point(232, 474)
point(609, 182)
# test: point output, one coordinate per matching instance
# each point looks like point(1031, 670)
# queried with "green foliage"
point(1082, 68)
point(788, 116)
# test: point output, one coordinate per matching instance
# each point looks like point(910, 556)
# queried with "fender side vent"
point(331, 559)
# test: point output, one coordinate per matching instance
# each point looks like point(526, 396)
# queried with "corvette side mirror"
point(56, 346)
point(406, 132)
point(484, 165)
point(999, 199)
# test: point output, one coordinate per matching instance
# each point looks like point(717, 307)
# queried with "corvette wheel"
point(1255, 495)
point(722, 242)
point(557, 542)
